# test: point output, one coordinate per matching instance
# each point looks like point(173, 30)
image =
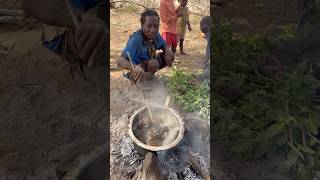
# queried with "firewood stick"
point(180, 176)
point(73, 16)
point(144, 95)
point(8, 19)
point(167, 101)
point(85, 162)
point(10, 12)
point(194, 163)
point(151, 168)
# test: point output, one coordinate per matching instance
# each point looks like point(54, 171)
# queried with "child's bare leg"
point(181, 47)
point(174, 49)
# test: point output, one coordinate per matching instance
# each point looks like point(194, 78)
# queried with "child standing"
point(205, 25)
point(182, 22)
point(168, 23)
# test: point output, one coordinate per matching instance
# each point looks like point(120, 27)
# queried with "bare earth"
point(49, 123)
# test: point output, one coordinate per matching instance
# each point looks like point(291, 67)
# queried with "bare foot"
point(183, 53)
point(176, 61)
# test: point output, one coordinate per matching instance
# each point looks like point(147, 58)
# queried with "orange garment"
point(168, 17)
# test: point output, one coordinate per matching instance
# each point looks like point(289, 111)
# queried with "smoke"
point(162, 130)
point(149, 92)
point(196, 137)
point(174, 159)
point(195, 141)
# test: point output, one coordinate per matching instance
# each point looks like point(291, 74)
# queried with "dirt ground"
point(123, 24)
point(50, 124)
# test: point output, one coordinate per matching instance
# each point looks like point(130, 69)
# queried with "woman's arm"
point(52, 12)
point(124, 62)
point(136, 71)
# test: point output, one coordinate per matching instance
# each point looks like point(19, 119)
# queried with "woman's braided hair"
point(148, 12)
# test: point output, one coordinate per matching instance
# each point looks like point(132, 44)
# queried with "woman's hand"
point(91, 39)
point(168, 56)
point(136, 73)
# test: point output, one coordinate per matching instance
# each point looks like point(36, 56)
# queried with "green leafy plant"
point(261, 116)
point(287, 32)
point(190, 93)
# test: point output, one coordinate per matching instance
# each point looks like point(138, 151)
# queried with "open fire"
point(187, 160)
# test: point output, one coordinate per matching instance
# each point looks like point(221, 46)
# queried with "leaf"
point(262, 148)
point(292, 159)
point(315, 118)
point(311, 127)
point(227, 115)
point(280, 140)
point(300, 70)
point(234, 126)
point(273, 130)
point(241, 147)
point(305, 149)
point(312, 142)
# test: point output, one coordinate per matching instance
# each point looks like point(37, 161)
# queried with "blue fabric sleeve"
point(84, 4)
point(55, 44)
point(133, 47)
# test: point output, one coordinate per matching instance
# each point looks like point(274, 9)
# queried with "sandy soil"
point(50, 123)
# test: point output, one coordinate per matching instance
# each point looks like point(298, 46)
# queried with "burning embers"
point(179, 157)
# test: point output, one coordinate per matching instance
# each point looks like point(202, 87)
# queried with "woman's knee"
point(153, 66)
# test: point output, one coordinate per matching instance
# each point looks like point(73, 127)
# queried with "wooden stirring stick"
point(144, 96)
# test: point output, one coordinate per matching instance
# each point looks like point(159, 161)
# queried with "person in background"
point(205, 25)
point(144, 48)
point(168, 23)
point(183, 21)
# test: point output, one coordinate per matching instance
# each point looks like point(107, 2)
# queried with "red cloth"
point(170, 38)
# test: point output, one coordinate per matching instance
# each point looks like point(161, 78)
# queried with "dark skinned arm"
point(52, 12)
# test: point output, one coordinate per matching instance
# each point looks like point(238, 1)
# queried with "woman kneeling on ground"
point(146, 49)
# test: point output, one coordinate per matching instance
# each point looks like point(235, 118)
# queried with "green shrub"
point(191, 94)
point(268, 116)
